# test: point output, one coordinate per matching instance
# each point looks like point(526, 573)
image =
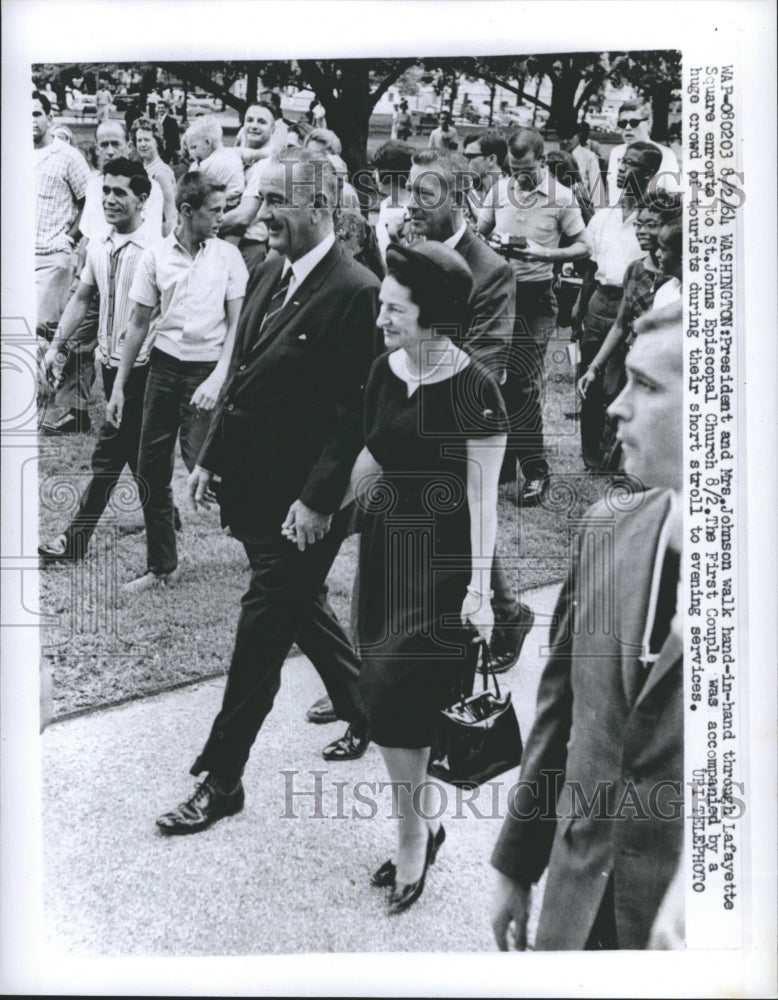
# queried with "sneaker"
point(149, 581)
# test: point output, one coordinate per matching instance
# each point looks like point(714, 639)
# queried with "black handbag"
point(479, 735)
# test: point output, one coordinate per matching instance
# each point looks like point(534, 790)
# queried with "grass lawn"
point(104, 648)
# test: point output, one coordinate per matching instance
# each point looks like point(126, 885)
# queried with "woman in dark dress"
point(435, 428)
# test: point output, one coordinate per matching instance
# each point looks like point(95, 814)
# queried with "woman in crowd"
point(643, 279)
point(435, 431)
point(144, 137)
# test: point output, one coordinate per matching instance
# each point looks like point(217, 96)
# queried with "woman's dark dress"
point(414, 560)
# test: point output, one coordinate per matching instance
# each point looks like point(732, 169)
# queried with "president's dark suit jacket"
point(289, 421)
point(595, 724)
point(491, 305)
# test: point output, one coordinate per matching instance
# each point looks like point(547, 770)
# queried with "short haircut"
point(584, 131)
point(562, 167)
point(638, 106)
point(110, 122)
point(123, 166)
point(650, 154)
point(666, 206)
point(327, 138)
point(301, 129)
point(665, 319)
point(671, 234)
point(492, 143)
point(44, 101)
point(392, 160)
point(316, 176)
point(524, 141)
point(261, 104)
point(194, 188)
point(206, 127)
point(448, 164)
point(444, 111)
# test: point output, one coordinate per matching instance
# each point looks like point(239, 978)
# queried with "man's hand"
point(588, 377)
point(533, 251)
point(510, 905)
point(668, 931)
point(197, 487)
point(115, 405)
point(206, 394)
point(305, 526)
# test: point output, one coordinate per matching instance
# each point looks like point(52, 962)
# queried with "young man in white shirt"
point(196, 284)
point(111, 262)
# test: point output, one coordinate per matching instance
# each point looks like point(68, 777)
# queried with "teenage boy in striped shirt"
point(109, 270)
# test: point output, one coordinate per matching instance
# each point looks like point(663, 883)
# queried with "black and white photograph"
point(388, 457)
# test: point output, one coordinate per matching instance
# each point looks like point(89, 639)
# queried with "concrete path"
point(289, 874)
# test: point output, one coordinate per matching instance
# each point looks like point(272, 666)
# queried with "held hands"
point(510, 911)
point(305, 526)
point(206, 394)
point(477, 611)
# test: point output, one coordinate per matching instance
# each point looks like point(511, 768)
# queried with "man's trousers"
point(280, 608)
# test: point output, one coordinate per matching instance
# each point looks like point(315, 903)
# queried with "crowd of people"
point(329, 369)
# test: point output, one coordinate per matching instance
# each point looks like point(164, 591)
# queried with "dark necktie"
point(277, 301)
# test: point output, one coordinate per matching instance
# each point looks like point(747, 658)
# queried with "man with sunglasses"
point(635, 126)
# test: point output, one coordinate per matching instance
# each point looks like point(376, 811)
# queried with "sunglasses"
point(632, 122)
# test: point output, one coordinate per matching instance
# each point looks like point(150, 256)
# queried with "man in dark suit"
point(600, 800)
point(438, 185)
point(170, 132)
point(282, 444)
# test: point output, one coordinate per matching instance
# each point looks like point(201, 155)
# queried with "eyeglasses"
point(632, 122)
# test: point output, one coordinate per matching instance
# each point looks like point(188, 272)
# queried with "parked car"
point(200, 103)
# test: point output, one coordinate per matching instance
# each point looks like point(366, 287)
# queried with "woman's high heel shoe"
point(404, 896)
point(386, 875)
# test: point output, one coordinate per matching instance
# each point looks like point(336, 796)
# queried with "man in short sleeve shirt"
point(194, 283)
point(531, 206)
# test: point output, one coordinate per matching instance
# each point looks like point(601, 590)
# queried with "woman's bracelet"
point(479, 593)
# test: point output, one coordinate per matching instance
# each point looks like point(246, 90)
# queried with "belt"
point(612, 291)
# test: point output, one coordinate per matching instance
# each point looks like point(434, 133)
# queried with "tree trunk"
point(563, 91)
point(251, 84)
point(660, 108)
point(492, 95)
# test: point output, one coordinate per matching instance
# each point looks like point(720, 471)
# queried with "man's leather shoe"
point(508, 638)
point(321, 711)
point(533, 491)
point(350, 746)
point(60, 549)
point(206, 806)
point(73, 422)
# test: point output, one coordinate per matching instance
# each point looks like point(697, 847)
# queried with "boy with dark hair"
point(194, 282)
point(110, 266)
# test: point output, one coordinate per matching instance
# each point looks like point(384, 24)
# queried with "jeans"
point(115, 448)
point(166, 412)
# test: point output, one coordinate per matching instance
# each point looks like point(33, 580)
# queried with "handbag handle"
point(484, 665)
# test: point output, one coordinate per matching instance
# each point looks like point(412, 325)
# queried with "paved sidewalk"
point(275, 879)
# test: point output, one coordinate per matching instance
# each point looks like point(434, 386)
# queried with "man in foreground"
point(600, 800)
point(285, 436)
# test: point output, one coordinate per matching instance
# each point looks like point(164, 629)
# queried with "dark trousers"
point(115, 448)
point(166, 412)
point(603, 936)
point(525, 384)
point(600, 316)
point(279, 608)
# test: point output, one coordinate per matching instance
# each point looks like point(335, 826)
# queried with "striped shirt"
point(61, 176)
point(191, 293)
point(111, 263)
